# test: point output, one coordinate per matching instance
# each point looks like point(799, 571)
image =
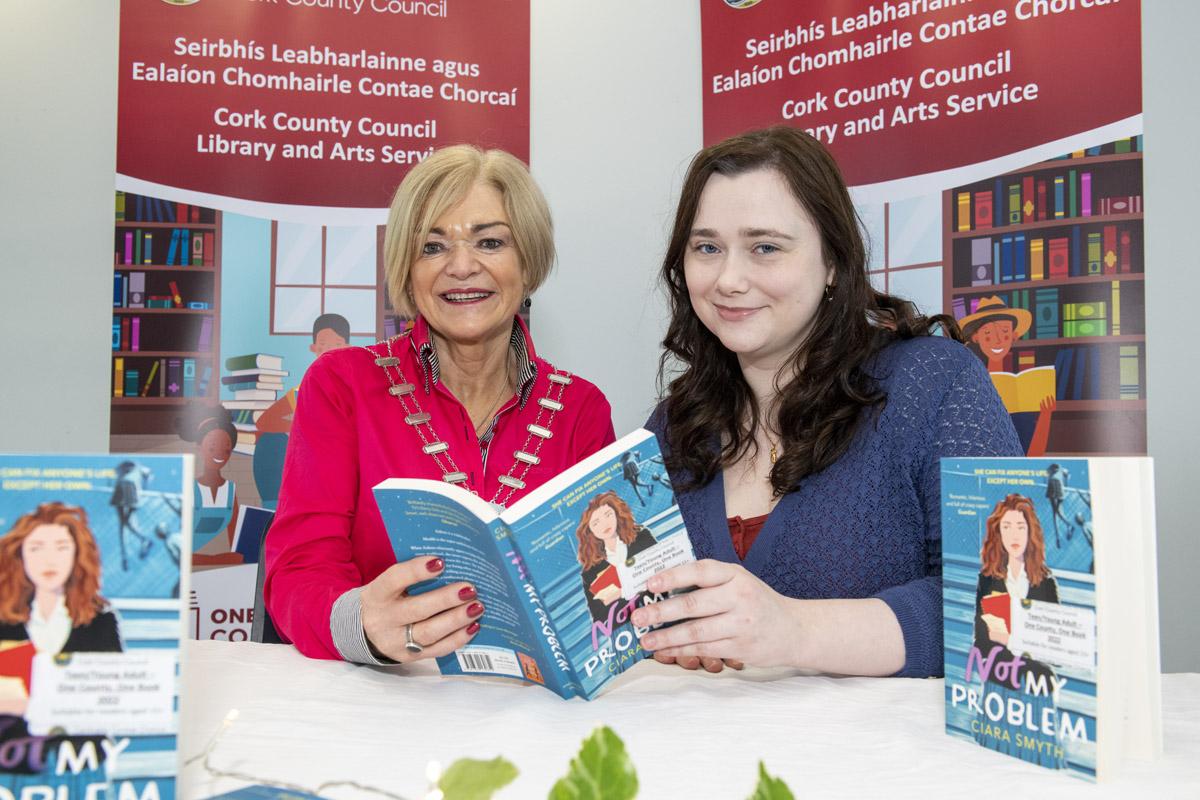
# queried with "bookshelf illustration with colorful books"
point(166, 311)
point(1063, 239)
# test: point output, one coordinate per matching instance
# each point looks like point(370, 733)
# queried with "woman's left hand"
point(730, 615)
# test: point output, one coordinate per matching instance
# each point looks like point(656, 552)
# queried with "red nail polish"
point(435, 565)
point(475, 609)
point(466, 593)
point(473, 628)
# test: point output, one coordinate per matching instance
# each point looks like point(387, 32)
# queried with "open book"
point(1025, 390)
point(560, 572)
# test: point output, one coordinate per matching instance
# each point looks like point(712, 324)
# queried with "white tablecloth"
point(690, 735)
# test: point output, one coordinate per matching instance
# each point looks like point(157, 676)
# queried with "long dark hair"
point(819, 409)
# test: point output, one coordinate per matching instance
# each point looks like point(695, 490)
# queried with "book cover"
point(1114, 311)
point(1085, 194)
point(118, 377)
point(1059, 257)
point(1014, 204)
point(253, 361)
point(1027, 207)
point(964, 211)
point(1094, 253)
point(174, 377)
point(137, 290)
point(1037, 259)
point(91, 710)
point(1110, 249)
point(189, 377)
point(1050, 610)
point(1130, 373)
point(535, 564)
point(1041, 200)
point(173, 247)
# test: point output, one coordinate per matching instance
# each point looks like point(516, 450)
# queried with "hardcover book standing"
point(1050, 610)
point(559, 572)
point(90, 623)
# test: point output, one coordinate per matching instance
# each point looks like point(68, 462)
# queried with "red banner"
point(315, 102)
point(898, 88)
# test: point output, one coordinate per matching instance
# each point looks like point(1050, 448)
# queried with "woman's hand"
point(732, 615)
point(442, 620)
point(713, 665)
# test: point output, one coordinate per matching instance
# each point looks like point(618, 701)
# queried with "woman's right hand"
point(442, 620)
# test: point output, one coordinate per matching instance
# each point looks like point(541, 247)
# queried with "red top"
point(744, 532)
point(349, 433)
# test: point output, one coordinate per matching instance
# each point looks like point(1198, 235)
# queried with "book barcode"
point(475, 662)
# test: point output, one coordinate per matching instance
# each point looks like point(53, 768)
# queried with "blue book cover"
point(560, 572)
point(1019, 604)
point(1020, 251)
point(89, 708)
point(1006, 259)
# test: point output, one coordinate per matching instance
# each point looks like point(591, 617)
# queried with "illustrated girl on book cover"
point(1013, 568)
point(50, 602)
point(609, 543)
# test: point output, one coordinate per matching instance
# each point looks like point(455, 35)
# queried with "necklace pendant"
point(433, 448)
point(553, 405)
point(387, 361)
point(527, 458)
point(455, 477)
point(419, 418)
point(515, 483)
point(538, 430)
point(401, 389)
point(556, 377)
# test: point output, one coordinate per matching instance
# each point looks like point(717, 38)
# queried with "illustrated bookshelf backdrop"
point(166, 311)
point(1064, 239)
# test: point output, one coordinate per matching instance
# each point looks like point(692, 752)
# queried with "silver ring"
point(411, 644)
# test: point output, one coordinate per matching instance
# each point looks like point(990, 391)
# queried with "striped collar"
point(519, 342)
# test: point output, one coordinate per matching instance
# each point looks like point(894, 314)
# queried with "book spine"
point(1110, 249)
point(162, 377)
point(117, 290)
point(135, 335)
point(118, 377)
point(1115, 308)
point(120, 206)
point(1041, 200)
point(197, 250)
point(204, 342)
point(1027, 207)
point(128, 247)
point(189, 377)
point(150, 379)
point(173, 247)
point(1006, 259)
point(132, 379)
point(1072, 194)
point(1093, 254)
point(1085, 194)
point(983, 210)
point(202, 384)
point(137, 290)
point(1014, 204)
point(1125, 252)
point(176, 297)
point(174, 377)
point(1020, 270)
point(116, 334)
point(208, 248)
point(964, 211)
point(1060, 197)
point(1130, 387)
point(1037, 259)
point(148, 249)
point(1076, 252)
point(137, 246)
point(1046, 313)
point(125, 333)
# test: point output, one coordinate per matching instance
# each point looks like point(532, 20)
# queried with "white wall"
point(615, 116)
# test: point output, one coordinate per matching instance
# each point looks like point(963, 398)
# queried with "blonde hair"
point(441, 181)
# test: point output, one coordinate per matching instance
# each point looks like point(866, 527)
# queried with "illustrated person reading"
point(1013, 568)
point(215, 509)
point(814, 407)
point(991, 332)
point(50, 590)
point(609, 543)
point(329, 332)
point(469, 237)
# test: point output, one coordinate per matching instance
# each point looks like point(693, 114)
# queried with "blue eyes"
point(763, 249)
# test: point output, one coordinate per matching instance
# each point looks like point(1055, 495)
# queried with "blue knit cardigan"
point(870, 525)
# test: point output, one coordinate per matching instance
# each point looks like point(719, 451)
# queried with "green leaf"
point(770, 788)
point(601, 771)
point(472, 779)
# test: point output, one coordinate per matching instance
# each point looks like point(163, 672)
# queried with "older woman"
point(804, 432)
point(461, 397)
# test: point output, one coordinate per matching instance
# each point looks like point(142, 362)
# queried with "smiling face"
point(467, 281)
point(215, 449)
point(754, 268)
point(1014, 534)
point(603, 525)
point(994, 338)
point(48, 554)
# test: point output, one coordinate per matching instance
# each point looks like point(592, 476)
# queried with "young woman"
point(809, 417)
